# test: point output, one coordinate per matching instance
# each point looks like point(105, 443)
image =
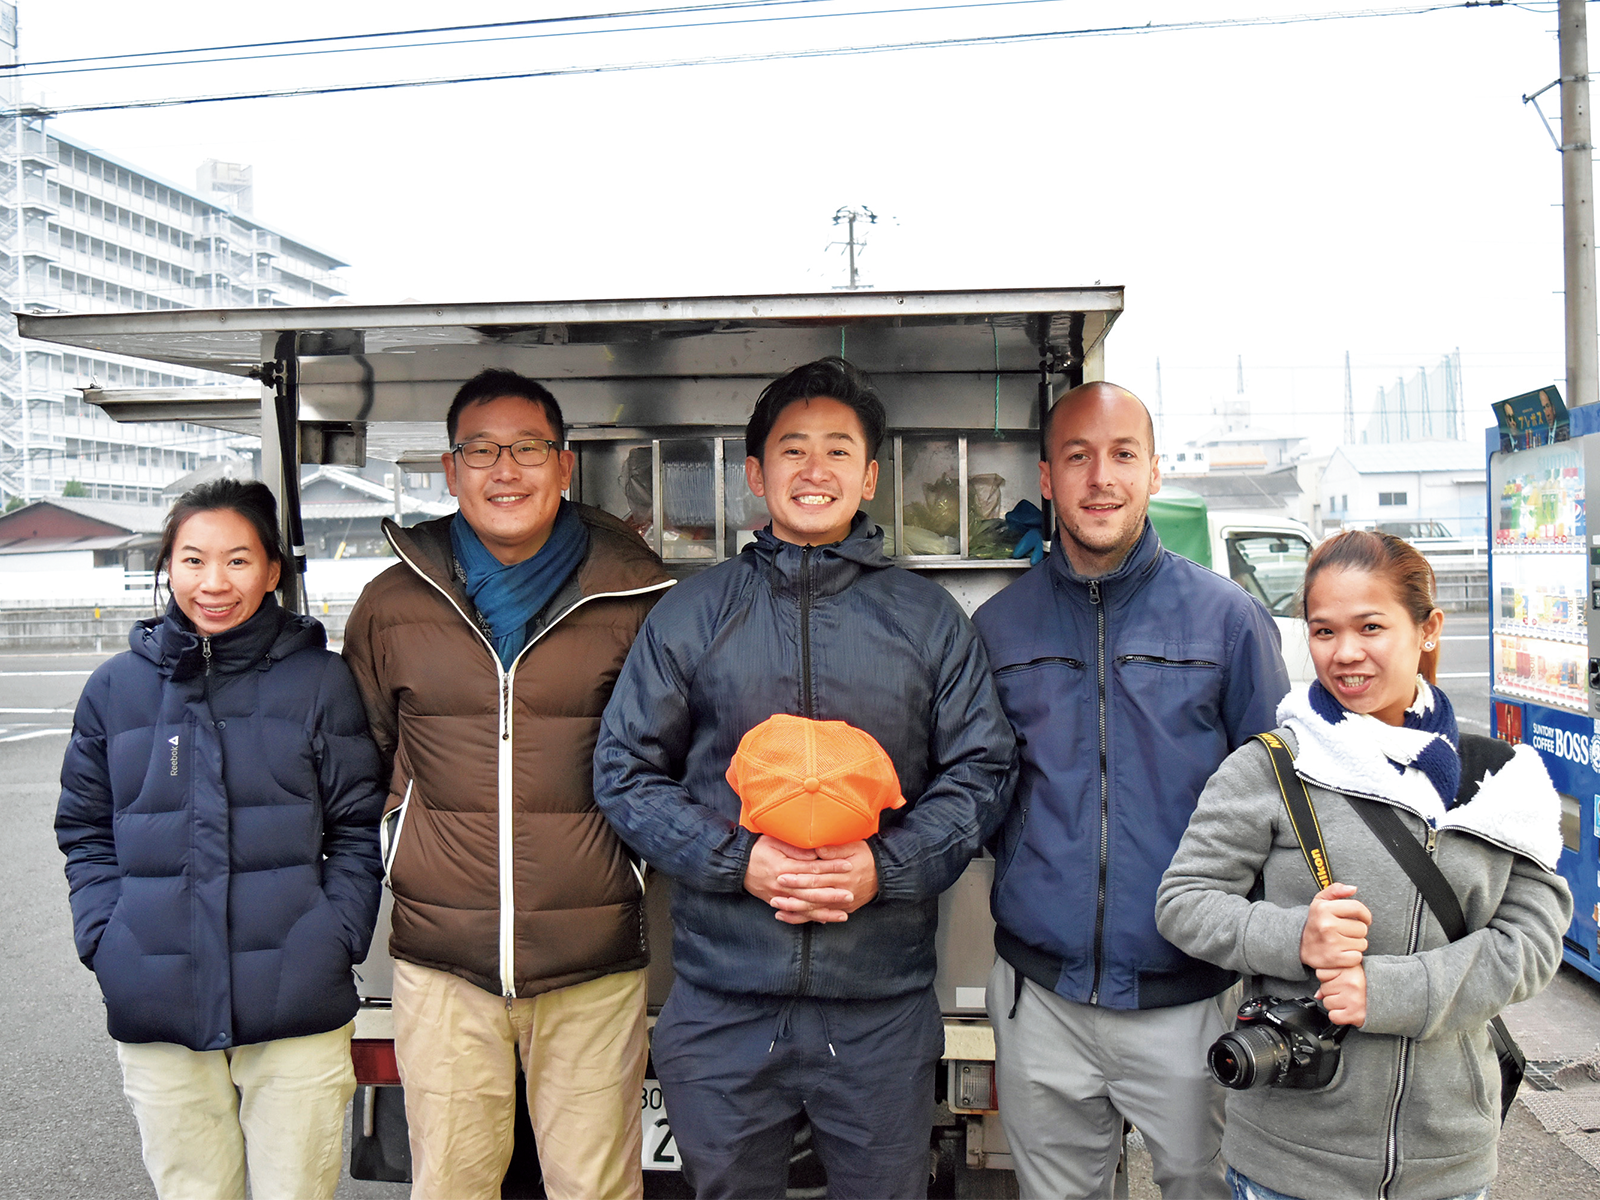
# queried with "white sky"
point(1284, 194)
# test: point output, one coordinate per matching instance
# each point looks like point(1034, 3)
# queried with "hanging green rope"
point(995, 333)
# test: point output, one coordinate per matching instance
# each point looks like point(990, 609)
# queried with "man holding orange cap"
point(811, 687)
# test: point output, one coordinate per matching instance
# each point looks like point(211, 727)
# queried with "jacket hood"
point(270, 635)
point(1514, 808)
point(834, 566)
point(1137, 567)
point(617, 559)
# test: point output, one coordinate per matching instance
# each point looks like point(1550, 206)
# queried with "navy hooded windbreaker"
point(836, 633)
point(219, 811)
point(1127, 692)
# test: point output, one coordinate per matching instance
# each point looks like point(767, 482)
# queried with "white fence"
point(327, 581)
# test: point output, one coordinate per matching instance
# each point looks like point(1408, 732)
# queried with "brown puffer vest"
point(502, 868)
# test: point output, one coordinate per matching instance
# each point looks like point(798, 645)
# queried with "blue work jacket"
point(1126, 693)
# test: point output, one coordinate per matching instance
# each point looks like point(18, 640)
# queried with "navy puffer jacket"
point(219, 809)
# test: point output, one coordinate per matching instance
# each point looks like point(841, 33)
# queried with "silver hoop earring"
point(1427, 645)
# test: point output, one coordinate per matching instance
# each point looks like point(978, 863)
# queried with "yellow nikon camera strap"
point(1302, 813)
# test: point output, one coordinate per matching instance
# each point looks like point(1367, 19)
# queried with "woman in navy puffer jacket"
point(219, 808)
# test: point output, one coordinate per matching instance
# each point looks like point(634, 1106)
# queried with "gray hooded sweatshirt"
point(1413, 1112)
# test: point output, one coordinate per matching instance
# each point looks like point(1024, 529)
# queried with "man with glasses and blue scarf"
point(485, 658)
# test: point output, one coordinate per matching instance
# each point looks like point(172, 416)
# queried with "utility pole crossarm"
point(848, 217)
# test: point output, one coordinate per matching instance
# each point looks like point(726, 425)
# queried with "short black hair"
point(250, 498)
point(832, 378)
point(494, 383)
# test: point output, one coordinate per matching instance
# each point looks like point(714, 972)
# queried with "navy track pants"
point(737, 1072)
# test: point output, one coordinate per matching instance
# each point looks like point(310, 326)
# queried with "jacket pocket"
point(1156, 660)
point(1050, 660)
point(1476, 1061)
point(1173, 687)
point(390, 828)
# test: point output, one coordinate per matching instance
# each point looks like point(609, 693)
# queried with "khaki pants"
point(274, 1108)
point(583, 1051)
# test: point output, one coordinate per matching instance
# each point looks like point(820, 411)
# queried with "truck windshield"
point(1270, 566)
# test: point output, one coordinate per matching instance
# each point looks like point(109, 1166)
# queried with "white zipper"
point(505, 779)
point(389, 843)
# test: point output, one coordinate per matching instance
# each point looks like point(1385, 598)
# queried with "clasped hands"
point(826, 884)
point(1332, 944)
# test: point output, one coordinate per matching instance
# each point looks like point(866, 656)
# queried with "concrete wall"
point(105, 629)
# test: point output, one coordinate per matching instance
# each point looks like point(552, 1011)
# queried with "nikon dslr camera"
point(1278, 1043)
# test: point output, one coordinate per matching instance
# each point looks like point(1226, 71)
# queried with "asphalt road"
point(65, 1131)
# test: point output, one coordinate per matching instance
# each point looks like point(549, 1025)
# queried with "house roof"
point(56, 524)
point(1387, 458)
point(335, 509)
point(66, 516)
point(234, 468)
point(1249, 435)
point(111, 541)
point(1261, 489)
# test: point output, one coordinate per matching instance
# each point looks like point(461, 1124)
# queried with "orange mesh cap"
point(812, 783)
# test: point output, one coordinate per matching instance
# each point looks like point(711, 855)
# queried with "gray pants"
point(1069, 1073)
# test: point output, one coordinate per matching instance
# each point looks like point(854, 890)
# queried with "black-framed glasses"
point(527, 452)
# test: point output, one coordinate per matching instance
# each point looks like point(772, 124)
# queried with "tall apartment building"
point(84, 231)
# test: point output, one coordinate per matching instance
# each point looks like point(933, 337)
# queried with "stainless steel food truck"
point(656, 393)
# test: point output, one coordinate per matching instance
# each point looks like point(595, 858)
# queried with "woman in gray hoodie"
point(1413, 1110)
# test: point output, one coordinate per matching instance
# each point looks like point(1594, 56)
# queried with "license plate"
point(660, 1151)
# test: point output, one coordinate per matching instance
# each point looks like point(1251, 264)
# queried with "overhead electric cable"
point(989, 40)
point(396, 33)
point(522, 37)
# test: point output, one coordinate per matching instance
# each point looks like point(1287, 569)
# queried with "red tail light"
point(374, 1063)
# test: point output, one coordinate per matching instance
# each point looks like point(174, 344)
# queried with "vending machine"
point(1544, 580)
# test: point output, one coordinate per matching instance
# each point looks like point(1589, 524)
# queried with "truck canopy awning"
point(941, 359)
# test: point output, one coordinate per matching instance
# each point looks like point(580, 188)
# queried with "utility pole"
point(1349, 405)
point(1577, 208)
point(849, 216)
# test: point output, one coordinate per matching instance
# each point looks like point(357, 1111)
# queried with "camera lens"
point(1249, 1057)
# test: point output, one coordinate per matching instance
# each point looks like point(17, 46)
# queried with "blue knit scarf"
point(1437, 757)
point(509, 597)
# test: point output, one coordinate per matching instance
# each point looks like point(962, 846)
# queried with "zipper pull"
point(1094, 591)
point(205, 652)
point(1433, 838)
point(505, 707)
point(508, 1001)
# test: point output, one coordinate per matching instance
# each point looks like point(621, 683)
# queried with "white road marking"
point(1465, 637)
point(1463, 674)
point(32, 733)
point(36, 711)
point(38, 674)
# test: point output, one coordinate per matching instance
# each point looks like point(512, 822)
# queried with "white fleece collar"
point(1515, 808)
point(1358, 754)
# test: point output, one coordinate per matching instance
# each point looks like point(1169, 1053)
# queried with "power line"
point(397, 33)
point(521, 37)
point(990, 40)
